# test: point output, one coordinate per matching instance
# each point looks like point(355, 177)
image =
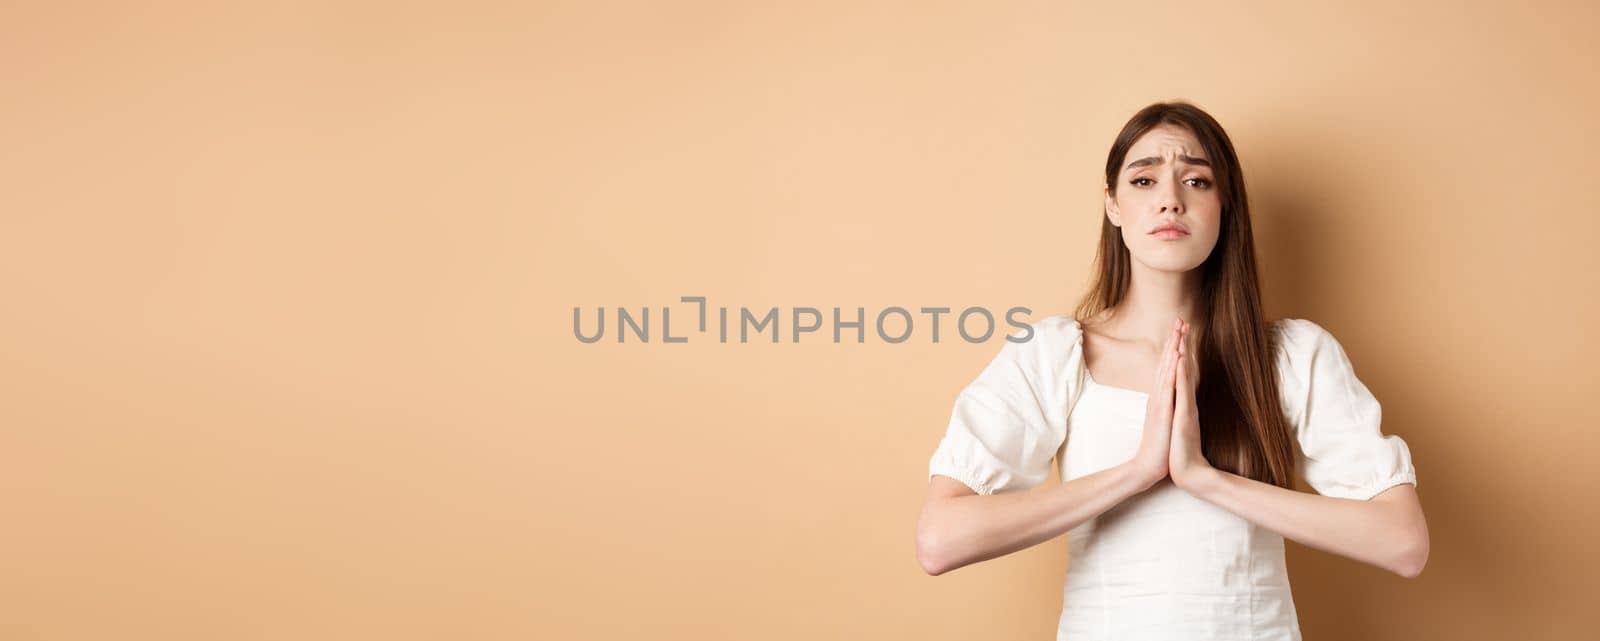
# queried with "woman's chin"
point(1172, 262)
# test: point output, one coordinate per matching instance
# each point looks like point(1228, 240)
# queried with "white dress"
point(1163, 564)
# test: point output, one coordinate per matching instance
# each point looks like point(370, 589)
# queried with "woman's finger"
point(1188, 360)
point(1194, 366)
point(1166, 360)
point(1176, 350)
point(1169, 357)
point(1169, 377)
point(1181, 405)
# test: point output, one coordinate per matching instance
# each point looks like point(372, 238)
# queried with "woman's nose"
point(1170, 202)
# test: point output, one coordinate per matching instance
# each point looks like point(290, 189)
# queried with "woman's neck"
point(1153, 300)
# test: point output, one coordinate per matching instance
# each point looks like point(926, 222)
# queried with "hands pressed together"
point(1170, 445)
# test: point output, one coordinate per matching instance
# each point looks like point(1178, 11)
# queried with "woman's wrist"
point(1140, 475)
point(1199, 480)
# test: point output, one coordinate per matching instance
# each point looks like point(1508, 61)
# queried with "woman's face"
point(1166, 179)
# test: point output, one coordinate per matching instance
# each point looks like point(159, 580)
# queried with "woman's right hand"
point(1150, 462)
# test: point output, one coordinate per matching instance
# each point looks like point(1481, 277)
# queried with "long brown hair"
point(1243, 427)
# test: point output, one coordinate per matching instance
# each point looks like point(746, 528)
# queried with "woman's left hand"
point(1186, 461)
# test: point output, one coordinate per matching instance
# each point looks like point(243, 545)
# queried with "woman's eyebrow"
point(1156, 160)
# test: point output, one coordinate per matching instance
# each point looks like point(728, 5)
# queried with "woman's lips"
point(1171, 234)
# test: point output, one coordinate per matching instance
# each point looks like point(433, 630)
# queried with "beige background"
point(286, 348)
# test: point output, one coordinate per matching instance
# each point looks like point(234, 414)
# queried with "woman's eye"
point(1202, 182)
point(1141, 184)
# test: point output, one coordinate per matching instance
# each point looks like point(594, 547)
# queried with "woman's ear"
point(1112, 211)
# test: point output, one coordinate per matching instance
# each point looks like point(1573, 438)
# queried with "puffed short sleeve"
point(1008, 423)
point(1337, 421)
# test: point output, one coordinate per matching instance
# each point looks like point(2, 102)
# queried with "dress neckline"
point(1120, 390)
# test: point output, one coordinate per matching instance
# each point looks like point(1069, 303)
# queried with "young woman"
point(1178, 417)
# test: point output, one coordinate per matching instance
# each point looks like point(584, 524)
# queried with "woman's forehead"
point(1164, 145)
point(1168, 140)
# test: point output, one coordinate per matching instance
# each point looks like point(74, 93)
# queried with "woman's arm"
point(1387, 530)
point(959, 527)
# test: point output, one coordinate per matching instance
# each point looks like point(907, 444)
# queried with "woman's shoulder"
point(1055, 331)
point(1059, 323)
point(1304, 347)
point(1047, 343)
point(1294, 336)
